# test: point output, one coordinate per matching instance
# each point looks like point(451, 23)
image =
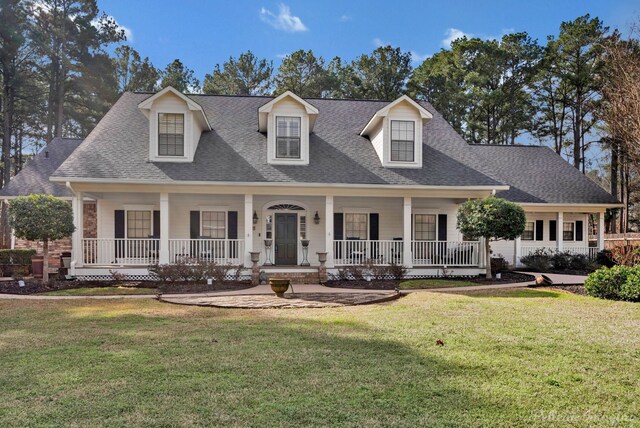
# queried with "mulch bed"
point(33, 286)
point(575, 289)
point(507, 278)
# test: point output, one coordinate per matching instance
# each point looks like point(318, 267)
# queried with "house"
point(177, 176)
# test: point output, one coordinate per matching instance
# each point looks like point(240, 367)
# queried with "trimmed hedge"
point(16, 257)
point(615, 283)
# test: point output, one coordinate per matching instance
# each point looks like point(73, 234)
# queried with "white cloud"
point(378, 42)
point(345, 18)
point(284, 20)
point(127, 31)
point(452, 34)
point(419, 58)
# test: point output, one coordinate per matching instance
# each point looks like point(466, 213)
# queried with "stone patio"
point(292, 300)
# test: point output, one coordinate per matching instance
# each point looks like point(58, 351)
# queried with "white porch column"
point(601, 231)
point(77, 205)
point(248, 229)
point(517, 251)
point(559, 230)
point(407, 259)
point(328, 236)
point(163, 256)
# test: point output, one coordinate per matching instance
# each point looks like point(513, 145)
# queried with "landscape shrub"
point(194, 270)
point(615, 283)
point(561, 260)
point(539, 260)
point(372, 271)
point(498, 264)
point(581, 262)
point(626, 255)
point(16, 256)
point(605, 258)
point(397, 271)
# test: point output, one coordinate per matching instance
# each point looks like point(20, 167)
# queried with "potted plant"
point(279, 285)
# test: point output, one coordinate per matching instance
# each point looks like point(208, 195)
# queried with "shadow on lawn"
point(260, 368)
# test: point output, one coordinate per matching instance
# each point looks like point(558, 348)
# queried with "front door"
point(286, 248)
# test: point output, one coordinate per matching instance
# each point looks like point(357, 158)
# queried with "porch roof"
point(34, 176)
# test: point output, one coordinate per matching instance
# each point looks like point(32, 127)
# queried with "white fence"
point(357, 252)
point(117, 251)
point(425, 253)
point(221, 251)
point(445, 253)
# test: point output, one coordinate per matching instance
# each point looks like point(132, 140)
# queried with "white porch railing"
point(119, 251)
point(358, 252)
point(221, 251)
point(591, 252)
point(445, 253)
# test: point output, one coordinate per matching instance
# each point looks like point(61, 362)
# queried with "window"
point(214, 224)
point(138, 224)
point(355, 226)
point(288, 137)
point(568, 231)
point(170, 134)
point(402, 140)
point(425, 227)
point(529, 230)
point(303, 227)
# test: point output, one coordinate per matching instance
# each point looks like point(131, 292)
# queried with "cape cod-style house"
point(166, 176)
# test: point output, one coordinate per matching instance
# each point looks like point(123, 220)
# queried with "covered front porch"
point(135, 230)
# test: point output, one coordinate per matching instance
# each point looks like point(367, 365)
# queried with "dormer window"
point(288, 137)
point(170, 134)
point(403, 141)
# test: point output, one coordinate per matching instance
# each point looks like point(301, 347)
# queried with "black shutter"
point(118, 232)
point(553, 230)
point(194, 220)
point(374, 226)
point(539, 230)
point(232, 219)
point(579, 230)
point(338, 226)
point(442, 227)
point(156, 224)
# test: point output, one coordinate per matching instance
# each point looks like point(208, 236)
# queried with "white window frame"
point(417, 142)
point(184, 134)
point(573, 238)
point(215, 210)
point(391, 121)
point(533, 236)
point(272, 140)
point(126, 221)
point(413, 224)
point(283, 116)
point(344, 223)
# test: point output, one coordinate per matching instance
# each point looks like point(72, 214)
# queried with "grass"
point(101, 291)
point(532, 358)
point(434, 283)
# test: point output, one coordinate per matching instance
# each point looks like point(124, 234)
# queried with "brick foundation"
point(56, 248)
point(296, 277)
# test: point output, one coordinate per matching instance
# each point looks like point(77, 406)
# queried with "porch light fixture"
point(255, 217)
point(316, 218)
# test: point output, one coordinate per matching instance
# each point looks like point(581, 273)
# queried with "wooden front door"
point(286, 248)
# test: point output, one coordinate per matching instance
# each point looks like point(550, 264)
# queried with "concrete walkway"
point(307, 288)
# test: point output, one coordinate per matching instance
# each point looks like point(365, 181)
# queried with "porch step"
point(297, 277)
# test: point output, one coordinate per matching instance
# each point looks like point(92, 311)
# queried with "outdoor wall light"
point(255, 217)
point(316, 218)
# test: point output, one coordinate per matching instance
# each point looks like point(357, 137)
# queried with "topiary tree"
point(41, 218)
point(492, 219)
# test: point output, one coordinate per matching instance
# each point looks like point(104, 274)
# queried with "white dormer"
point(175, 125)
point(288, 120)
point(396, 133)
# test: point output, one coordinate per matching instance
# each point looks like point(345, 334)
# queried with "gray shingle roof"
point(34, 177)
point(537, 174)
point(234, 151)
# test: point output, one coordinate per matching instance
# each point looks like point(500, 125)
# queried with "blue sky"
point(204, 33)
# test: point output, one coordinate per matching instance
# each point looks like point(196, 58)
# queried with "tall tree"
point(246, 75)
point(134, 73)
point(68, 33)
point(580, 59)
point(304, 74)
point(180, 77)
point(383, 74)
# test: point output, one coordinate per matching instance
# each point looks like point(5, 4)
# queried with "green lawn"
point(523, 357)
point(434, 283)
point(101, 291)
